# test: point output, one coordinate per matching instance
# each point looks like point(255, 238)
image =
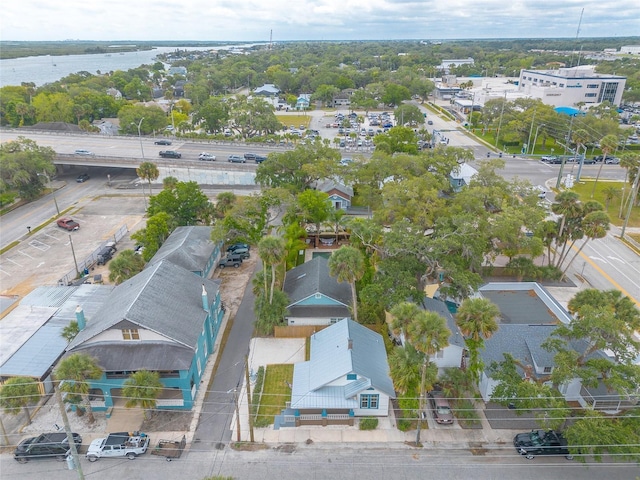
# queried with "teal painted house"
point(165, 319)
point(315, 297)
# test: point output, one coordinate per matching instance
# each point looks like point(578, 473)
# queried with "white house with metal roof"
point(315, 297)
point(347, 376)
point(165, 320)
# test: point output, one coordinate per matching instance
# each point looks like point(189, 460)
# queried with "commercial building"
point(572, 86)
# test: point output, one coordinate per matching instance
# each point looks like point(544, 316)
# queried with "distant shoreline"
point(15, 49)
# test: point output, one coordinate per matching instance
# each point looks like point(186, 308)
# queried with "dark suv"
point(106, 254)
point(541, 442)
point(243, 253)
point(47, 445)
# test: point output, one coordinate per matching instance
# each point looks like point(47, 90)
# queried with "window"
point(369, 401)
point(590, 95)
point(352, 376)
point(592, 85)
point(548, 369)
point(440, 354)
point(130, 334)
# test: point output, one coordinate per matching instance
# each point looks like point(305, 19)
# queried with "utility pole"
point(235, 396)
point(500, 122)
point(421, 402)
point(248, 380)
point(67, 429)
point(73, 252)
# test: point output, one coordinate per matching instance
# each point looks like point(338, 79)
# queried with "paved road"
point(332, 462)
point(214, 428)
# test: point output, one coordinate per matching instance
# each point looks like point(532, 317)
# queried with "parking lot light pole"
point(53, 192)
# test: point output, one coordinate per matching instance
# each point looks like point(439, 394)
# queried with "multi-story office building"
point(572, 86)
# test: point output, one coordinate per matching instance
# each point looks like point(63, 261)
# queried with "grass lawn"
point(584, 190)
point(275, 392)
point(295, 120)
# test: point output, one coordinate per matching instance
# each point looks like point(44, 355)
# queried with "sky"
point(254, 20)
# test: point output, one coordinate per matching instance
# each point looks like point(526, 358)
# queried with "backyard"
point(275, 392)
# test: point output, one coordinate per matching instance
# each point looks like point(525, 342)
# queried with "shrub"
point(368, 423)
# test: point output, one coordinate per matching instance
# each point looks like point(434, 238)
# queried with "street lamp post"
point(140, 136)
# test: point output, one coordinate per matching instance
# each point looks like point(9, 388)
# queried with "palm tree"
point(74, 373)
point(610, 193)
point(568, 205)
point(404, 365)
point(347, 265)
point(148, 171)
point(17, 393)
point(608, 144)
point(594, 225)
point(70, 331)
point(335, 221)
point(272, 252)
point(125, 266)
point(476, 319)
point(142, 389)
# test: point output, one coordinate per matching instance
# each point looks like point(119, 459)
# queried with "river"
point(47, 69)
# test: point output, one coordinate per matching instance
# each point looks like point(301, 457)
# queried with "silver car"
point(236, 159)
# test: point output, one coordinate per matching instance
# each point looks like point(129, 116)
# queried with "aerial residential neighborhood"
point(414, 249)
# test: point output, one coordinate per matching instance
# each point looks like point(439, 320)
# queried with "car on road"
point(118, 445)
point(541, 442)
point(236, 159)
point(162, 141)
point(429, 122)
point(82, 151)
point(440, 407)
point(260, 158)
point(170, 154)
point(68, 224)
point(207, 157)
point(550, 159)
point(249, 156)
point(83, 177)
point(230, 261)
point(47, 445)
point(612, 161)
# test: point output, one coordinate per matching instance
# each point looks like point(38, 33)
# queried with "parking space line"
point(43, 247)
point(25, 254)
point(6, 273)
point(51, 236)
point(16, 263)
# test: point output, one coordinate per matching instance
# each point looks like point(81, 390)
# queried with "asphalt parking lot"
point(46, 255)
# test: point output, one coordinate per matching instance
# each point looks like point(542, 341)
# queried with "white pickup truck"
point(121, 444)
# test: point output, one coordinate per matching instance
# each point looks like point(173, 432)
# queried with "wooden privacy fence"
point(297, 331)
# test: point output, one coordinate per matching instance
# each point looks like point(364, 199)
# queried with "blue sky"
point(252, 20)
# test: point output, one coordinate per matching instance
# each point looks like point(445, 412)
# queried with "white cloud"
point(253, 20)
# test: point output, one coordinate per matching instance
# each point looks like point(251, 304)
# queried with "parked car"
point(48, 445)
point(68, 224)
point(207, 157)
point(236, 159)
point(243, 253)
point(83, 177)
point(118, 445)
point(82, 151)
point(429, 122)
point(105, 254)
point(162, 141)
point(440, 406)
point(233, 247)
point(541, 442)
point(260, 158)
point(170, 154)
point(230, 261)
point(612, 161)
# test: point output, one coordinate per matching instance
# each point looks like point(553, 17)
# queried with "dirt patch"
point(234, 281)
point(167, 421)
point(286, 448)
point(477, 449)
point(248, 446)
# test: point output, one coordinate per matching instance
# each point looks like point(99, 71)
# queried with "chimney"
point(349, 344)
point(205, 299)
point(82, 322)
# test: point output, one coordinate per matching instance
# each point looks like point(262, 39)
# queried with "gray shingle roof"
point(152, 356)
point(439, 307)
point(313, 277)
point(188, 247)
point(523, 342)
point(163, 298)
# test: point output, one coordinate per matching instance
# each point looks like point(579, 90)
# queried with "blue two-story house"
point(166, 320)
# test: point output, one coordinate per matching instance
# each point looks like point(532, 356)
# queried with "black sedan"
point(83, 177)
point(541, 442)
point(162, 142)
